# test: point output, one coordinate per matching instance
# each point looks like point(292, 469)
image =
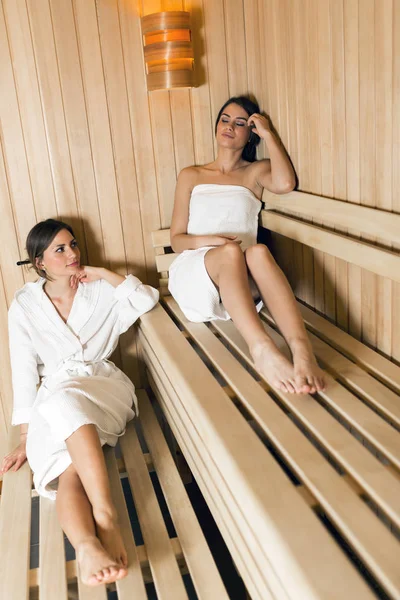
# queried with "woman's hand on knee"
point(15, 459)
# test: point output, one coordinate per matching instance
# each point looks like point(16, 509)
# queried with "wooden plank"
point(53, 113)
point(210, 408)
point(122, 143)
point(30, 108)
point(365, 255)
point(132, 45)
point(164, 568)
point(164, 154)
point(100, 134)
point(259, 584)
point(325, 127)
point(358, 352)
point(345, 509)
point(367, 134)
point(383, 154)
point(369, 473)
point(76, 123)
point(352, 91)
point(395, 353)
point(164, 261)
point(379, 223)
point(214, 32)
point(52, 571)
point(15, 520)
point(182, 135)
point(161, 238)
point(13, 145)
point(133, 583)
point(203, 571)
point(236, 46)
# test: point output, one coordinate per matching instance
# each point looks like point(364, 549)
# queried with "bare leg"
point(76, 519)
point(278, 296)
point(87, 457)
point(227, 268)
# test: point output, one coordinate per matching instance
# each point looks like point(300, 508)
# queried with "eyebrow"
point(226, 115)
point(61, 245)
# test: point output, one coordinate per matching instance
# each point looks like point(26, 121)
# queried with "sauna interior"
point(82, 139)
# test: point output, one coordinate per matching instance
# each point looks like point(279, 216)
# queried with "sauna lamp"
point(168, 50)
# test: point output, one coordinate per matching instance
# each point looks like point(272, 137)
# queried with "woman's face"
point(232, 129)
point(62, 257)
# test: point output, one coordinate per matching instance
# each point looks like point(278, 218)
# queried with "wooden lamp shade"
point(168, 51)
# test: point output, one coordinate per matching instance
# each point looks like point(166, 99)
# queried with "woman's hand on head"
point(15, 459)
point(85, 275)
point(259, 124)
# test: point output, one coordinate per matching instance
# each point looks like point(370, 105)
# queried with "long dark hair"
point(39, 239)
point(250, 150)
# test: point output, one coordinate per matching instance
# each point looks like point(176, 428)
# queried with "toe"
point(93, 580)
point(280, 385)
point(290, 387)
point(122, 573)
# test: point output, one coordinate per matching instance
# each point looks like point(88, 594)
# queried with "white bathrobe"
point(78, 385)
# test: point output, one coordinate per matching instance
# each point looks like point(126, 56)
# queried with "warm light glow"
point(170, 35)
point(168, 50)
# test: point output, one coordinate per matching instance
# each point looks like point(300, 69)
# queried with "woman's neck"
point(59, 287)
point(228, 160)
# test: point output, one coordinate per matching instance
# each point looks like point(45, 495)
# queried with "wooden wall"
point(81, 138)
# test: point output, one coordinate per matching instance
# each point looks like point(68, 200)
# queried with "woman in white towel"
point(62, 329)
point(214, 228)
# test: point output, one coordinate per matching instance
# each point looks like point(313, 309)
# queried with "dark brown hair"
point(250, 150)
point(39, 239)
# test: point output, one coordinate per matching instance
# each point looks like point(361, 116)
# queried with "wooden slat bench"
point(305, 490)
point(162, 560)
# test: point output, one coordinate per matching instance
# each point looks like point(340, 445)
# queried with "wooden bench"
point(305, 490)
point(161, 559)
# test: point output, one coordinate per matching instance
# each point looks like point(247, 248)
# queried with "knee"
point(257, 254)
point(232, 251)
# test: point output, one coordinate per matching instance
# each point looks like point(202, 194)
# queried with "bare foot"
point(308, 376)
point(96, 567)
point(274, 366)
point(110, 536)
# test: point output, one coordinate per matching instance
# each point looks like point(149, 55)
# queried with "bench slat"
point(356, 350)
point(262, 585)
point(204, 573)
point(166, 575)
point(363, 419)
point(313, 558)
point(370, 474)
point(360, 526)
point(52, 571)
point(164, 261)
point(132, 585)
point(15, 508)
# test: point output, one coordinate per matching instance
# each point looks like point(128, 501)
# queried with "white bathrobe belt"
point(81, 368)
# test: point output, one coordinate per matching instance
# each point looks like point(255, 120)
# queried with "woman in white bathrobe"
point(68, 398)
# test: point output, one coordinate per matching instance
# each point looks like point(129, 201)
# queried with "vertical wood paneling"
point(100, 135)
point(351, 32)
point(396, 169)
point(53, 111)
point(339, 147)
point(81, 137)
point(19, 36)
point(384, 124)
point(76, 123)
point(236, 46)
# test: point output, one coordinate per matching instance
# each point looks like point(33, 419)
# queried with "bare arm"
point(276, 174)
point(180, 239)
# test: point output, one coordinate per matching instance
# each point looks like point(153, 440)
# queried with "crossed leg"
point(86, 511)
point(227, 267)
